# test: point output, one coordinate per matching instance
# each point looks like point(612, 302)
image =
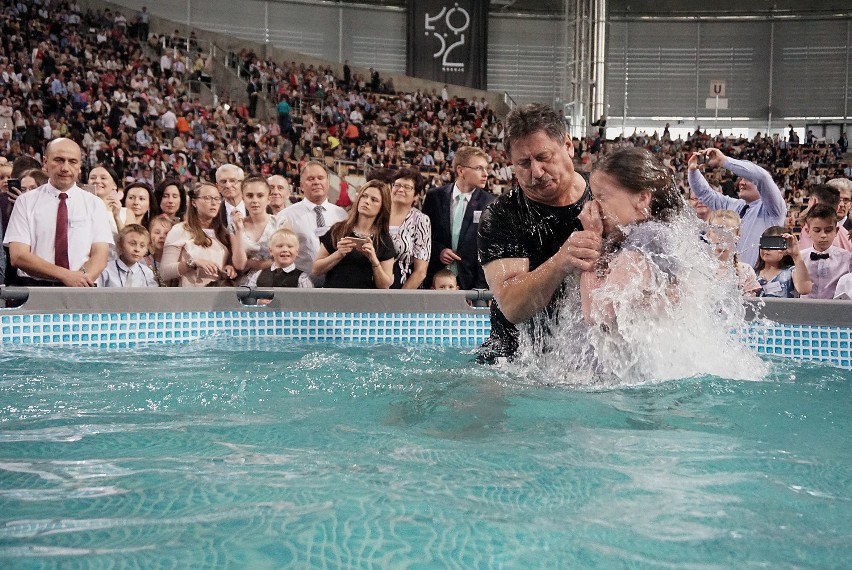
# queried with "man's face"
point(279, 190)
point(543, 167)
point(747, 190)
point(63, 164)
point(229, 187)
point(314, 184)
point(473, 174)
point(845, 202)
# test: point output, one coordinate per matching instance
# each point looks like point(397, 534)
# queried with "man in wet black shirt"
point(531, 238)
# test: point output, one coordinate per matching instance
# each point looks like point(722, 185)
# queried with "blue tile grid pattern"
point(123, 330)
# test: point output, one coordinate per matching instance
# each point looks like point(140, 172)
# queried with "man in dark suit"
point(454, 211)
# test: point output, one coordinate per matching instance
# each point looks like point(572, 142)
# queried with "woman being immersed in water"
point(652, 308)
point(634, 197)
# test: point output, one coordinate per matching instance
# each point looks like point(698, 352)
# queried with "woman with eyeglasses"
point(358, 252)
point(410, 229)
point(197, 251)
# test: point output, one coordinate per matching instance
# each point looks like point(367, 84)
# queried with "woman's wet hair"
point(637, 170)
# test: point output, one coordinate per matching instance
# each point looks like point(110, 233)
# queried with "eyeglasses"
point(406, 187)
point(210, 199)
point(479, 169)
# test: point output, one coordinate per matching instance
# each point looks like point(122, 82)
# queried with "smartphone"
point(702, 158)
point(773, 242)
point(91, 188)
point(359, 240)
point(14, 184)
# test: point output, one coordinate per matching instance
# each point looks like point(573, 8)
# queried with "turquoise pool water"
point(262, 454)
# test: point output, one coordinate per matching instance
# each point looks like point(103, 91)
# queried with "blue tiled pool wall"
point(124, 330)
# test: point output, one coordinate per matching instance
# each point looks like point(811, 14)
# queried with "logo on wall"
point(446, 26)
point(448, 41)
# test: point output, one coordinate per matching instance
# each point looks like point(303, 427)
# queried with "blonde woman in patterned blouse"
point(410, 229)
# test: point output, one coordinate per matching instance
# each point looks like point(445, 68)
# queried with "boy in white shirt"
point(126, 271)
point(826, 263)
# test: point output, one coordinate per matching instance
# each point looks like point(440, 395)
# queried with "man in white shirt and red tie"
point(59, 234)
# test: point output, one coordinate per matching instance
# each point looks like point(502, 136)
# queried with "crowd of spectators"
point(124, 96)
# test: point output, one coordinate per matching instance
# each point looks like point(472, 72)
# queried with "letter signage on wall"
point(448, 41)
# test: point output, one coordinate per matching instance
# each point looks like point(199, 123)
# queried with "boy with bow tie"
point(826, 263)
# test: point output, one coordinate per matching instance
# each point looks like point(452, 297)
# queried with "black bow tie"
point(815, 256)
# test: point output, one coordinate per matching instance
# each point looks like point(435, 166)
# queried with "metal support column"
point(585, 97)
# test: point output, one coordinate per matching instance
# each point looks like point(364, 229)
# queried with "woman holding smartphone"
point(358, 252)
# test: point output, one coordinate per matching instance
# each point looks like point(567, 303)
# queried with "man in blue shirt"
point(760, 203)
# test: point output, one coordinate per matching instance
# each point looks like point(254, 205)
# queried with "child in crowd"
point(782, 272)
point(126, 271)
point(445, 280)
point(159, 228)
point(284, 248)
point(723, 234)
point(826, 263)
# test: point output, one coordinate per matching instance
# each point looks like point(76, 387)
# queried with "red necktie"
point(61, 244)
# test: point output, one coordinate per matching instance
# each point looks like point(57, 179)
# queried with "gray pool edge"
point(69, 300)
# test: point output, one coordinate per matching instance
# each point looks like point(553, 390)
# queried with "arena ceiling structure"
point(680, 8)
point(639, 63)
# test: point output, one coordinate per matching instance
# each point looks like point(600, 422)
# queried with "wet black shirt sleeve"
point(515, 227)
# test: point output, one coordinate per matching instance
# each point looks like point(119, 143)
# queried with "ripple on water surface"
point(270, 454)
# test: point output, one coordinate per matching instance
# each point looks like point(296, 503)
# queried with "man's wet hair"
point(533, 117)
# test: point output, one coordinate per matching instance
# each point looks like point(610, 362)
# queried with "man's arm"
point(23, 258)
point(98, 258)
point(770, 195)
point(702, 190)
point(521, 293)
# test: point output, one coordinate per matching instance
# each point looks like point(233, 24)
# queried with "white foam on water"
point(695, 327)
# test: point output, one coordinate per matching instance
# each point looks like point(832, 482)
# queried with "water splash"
point(659, 331)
